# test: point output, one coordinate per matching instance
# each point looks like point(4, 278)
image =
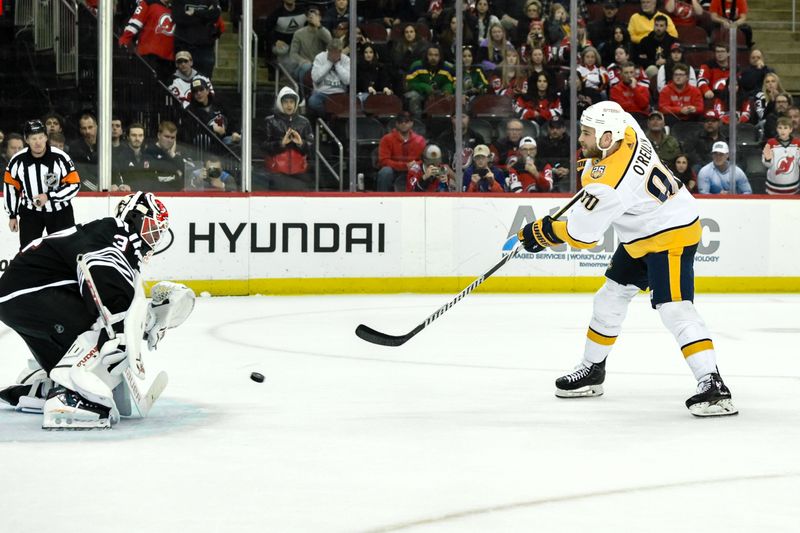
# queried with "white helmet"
point(147, 215)
point(603, 117)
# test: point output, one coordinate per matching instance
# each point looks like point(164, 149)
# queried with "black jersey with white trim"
point(111, 250)
point(27, 176)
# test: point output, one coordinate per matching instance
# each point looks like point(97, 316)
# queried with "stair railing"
point(320, 158)
point(65, 40)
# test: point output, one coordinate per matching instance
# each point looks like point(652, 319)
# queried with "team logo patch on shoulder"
point(597, 172)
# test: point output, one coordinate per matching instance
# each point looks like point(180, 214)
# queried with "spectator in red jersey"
point(621, 56)
point(712, 79)
point(685, 12)
point(523, 173)
point(152, 26)
point(540, 103)
point(732, 14)
point(397, 152)
point(431, 174)
point(679, 100)
point(632, 96)
point(511, 77)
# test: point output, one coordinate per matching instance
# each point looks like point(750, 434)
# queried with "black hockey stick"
point(376, 337)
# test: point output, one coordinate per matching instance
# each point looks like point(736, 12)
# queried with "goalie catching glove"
point(539, 235)
point(170, 306)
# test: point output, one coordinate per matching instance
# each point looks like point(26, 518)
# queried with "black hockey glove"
point(538, 235)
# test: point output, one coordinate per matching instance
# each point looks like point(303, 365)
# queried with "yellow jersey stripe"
point(668, 239)
point(674, 266)
point(599, 338)
point(696, 347)
point(613, 168)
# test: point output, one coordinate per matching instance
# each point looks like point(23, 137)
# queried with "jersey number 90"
point(662, 185)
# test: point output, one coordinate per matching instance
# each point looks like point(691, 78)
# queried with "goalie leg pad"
point(91, 372)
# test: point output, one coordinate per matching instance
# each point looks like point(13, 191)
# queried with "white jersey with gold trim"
point(633, 191)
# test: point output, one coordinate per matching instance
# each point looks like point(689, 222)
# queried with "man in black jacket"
point(197, 27)
point(211, 113)
point(554, 150)
point(288, 145)
point(167, 164)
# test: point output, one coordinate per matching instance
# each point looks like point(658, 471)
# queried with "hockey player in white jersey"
point(625, 185)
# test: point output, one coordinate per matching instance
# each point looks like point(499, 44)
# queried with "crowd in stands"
point(667, 62)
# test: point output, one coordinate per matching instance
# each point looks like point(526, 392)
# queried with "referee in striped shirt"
point(39, 184)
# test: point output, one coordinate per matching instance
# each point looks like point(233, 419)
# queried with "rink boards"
point(313, 244)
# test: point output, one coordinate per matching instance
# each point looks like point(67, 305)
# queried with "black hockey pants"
point(48, 320)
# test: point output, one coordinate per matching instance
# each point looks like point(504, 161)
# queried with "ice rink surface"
point(457, 431)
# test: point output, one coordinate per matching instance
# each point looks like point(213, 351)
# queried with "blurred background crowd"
point(177, 86)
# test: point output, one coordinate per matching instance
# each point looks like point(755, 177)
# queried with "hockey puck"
point(258, 378)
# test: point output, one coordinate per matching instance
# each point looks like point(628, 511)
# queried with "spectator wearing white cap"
point(715, 177)
point(481, 175)
point(523, 173)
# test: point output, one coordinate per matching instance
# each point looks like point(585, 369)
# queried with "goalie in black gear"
point(44, 297)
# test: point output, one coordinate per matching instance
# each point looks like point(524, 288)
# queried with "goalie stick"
point(142, 400)
point(384, 339)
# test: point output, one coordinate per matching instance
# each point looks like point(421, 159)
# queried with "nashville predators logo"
point(597, 172)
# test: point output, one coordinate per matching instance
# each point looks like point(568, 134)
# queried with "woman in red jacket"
point(541, 103)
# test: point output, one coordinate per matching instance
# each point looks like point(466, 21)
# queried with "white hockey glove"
point(171, 305)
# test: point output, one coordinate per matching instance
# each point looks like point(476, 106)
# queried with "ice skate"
point(713, 398)
point(29, 394)
point(585, 382)
point(66, 409)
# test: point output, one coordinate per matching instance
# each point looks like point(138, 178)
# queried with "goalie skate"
point(66, 409)
point(29, 394)
point(713, 398)
point(585, 382)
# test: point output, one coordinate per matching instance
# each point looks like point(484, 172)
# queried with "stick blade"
point(376, 337)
